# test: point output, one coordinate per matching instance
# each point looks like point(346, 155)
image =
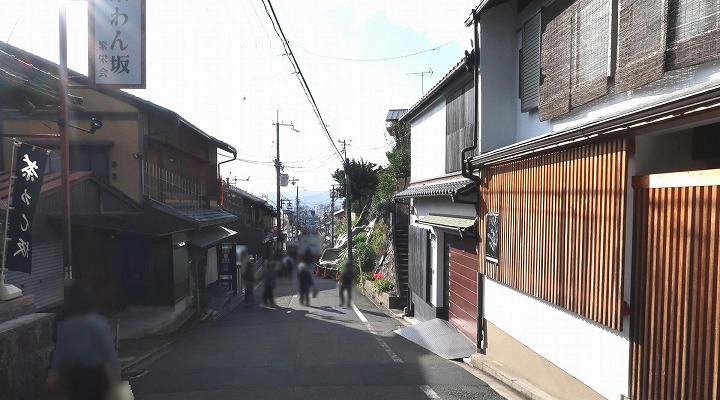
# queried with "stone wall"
point(25, 346)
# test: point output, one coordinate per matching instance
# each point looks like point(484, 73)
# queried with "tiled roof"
point(18, 72)
point(394, 115)
point(431, 93)
point(148, 223)
point(203, 216)
point(434, 189)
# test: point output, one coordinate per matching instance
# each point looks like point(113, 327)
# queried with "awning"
point(209, 236)
point(438, 189)
point(448, 222)
point(150, 223)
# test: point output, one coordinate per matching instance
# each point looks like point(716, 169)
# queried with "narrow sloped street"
point(297, 352)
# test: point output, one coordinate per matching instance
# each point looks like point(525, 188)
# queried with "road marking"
point(429, 392)
point(384, 345)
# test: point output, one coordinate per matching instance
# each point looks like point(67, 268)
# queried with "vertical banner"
point(29, 173)
point(116, 44)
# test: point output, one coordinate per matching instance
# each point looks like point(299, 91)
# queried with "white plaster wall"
point(427, 144)
point(594, 354)
point(499, 66)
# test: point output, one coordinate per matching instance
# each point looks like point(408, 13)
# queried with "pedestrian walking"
point(347, 278)
point(270, 277)
point(84, 363)
point(248, 277)
point(306, 284)
point(288, 266)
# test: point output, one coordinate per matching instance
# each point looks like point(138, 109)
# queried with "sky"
point(221, 65)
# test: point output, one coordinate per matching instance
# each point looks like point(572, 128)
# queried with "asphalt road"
point(296, 352)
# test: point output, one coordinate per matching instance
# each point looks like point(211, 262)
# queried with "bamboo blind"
point(562, 227)
point(675, 325)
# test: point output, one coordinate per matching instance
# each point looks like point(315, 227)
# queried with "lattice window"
point(693, 32)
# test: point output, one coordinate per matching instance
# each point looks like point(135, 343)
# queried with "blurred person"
point(248, 278)
point(306, 283)
point(347, 278)
point(269, 276)
point(84, 363)
point(288, 266)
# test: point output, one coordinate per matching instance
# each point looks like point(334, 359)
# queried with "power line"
point(377, 59)
point(299, 74)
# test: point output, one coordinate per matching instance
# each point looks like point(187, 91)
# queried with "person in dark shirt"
point(306, 283)
point(347, 278)
point(84, 361)
point(270, 277)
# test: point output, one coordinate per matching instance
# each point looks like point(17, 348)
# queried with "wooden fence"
point(562, 227)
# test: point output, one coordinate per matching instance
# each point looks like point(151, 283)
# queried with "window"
point(530, 65)
point(459, 126)
point(575, 54)
point(693, 32)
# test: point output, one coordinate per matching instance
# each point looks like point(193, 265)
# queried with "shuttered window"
point(459, 109)
point(641, 43)
point(591, 49)
point(575, 54)
point(693, 32)
point(530, 65)
point(419, 242)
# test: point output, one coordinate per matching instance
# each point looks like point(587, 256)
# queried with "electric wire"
point(376, 59)
point(299, 74)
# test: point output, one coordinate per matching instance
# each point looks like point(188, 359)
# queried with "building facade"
point(598, 198)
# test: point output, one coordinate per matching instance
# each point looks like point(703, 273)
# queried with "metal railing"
point(171, 189)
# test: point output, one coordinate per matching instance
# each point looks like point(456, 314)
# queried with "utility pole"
point(278, 167)
point(295, 181)
point(332, 216)
point(348, 202)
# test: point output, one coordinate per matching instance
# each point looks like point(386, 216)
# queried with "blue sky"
point(219, 64)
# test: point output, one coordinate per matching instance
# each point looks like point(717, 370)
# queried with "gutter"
point(466, 165)
point(669, 109)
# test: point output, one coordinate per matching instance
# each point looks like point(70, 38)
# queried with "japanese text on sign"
point(117, 43)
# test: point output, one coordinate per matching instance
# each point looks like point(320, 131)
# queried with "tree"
point(363, 180)
point(399, 156)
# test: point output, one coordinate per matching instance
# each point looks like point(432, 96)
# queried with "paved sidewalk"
point(133, 351)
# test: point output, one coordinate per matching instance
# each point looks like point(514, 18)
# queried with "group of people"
point(286, 266)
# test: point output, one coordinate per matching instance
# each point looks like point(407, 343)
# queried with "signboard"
point(492, 237)
point(284, 179)
point(116, 44)
point(29, 173)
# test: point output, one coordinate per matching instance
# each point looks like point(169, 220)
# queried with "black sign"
point(492, 237)
point(29, 173)
point(226, 259)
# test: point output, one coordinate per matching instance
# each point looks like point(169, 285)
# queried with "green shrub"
point(360, 238)
point(383, 285)
point(379, 234)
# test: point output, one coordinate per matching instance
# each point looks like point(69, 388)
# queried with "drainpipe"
point(218, 170)
point(466, 167)
point(467, 172)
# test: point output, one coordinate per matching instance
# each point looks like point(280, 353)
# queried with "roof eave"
point(430, 95)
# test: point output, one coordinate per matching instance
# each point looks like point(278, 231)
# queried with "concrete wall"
point(25, 347)
point(594, 355)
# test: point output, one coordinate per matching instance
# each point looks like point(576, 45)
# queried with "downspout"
point(218, 172)
point(467, 172)
point(466, 167)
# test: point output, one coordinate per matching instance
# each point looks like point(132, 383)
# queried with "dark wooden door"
point(462, 281)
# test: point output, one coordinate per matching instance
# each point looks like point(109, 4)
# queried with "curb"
point(520, 386)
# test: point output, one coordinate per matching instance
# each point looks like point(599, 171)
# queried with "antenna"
point(422, 78)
